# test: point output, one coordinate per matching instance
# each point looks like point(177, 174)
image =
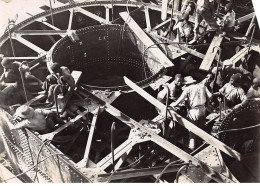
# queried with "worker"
point(228, 21)
point(254, 91)
point(39, 120)
point(232, 91)
point(204, 10)
point(227, 70)
point(11, 80)
point(174, 87)
point(12, 71)
point(61, 76)
point(197, 96)
point(253, 94)
point(184, 27)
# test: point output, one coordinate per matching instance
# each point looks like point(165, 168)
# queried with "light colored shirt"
point(252, 93)
point(234, 95)
point(196, 95)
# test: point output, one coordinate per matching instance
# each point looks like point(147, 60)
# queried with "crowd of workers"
point(206, 12)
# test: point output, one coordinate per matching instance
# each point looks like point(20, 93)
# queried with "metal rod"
point(52, 20)
point(113, 145)
point(10, 37)
point(24, 89)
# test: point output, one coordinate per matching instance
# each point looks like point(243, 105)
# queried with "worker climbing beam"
point(146, 40)
point(187, 124)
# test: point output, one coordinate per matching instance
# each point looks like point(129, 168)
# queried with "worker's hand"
point(173, 104)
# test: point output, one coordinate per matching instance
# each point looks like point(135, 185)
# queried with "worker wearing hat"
point(33, 119)
point(197, 96)
point(232, 91)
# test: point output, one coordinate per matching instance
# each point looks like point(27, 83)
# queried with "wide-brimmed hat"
point(25, 112)
point(189, 80)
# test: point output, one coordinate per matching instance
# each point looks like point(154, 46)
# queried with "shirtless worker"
point(38, 120)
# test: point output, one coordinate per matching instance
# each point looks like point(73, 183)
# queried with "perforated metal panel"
point(105, 51)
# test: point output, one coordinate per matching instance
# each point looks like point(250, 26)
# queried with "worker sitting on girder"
point(39, 120)
point(232, 92)
point(205, 10)
point(14, 74)
point(61, 76)
point(196, 96)
point(228, 21)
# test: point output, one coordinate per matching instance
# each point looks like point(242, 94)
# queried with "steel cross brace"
point(202, 134)
point(85, 159)
point(209, 171)
point(134, 138)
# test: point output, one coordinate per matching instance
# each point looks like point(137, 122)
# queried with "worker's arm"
point(181, 98)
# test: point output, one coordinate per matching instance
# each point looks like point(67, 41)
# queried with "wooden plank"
point(211, 53)
point(85, 159)
point(146, 40)
point(187, 124)
point(162, 142)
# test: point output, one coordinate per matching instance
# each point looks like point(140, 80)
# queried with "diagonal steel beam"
point(190, 126)
point(133, 173)
point(146, 40)
point(30, 45)
point(91, 15)
point(209, 171)
point(70, 19)
point(211, 53)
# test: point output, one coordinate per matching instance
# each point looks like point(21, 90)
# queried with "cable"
point(165, 168)
point(55, 154)
point(239, 129)
point(145, 53)
point(123, 168)
point(179, 171)
point(37, 160)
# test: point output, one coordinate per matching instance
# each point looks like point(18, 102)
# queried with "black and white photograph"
point(129, 91)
